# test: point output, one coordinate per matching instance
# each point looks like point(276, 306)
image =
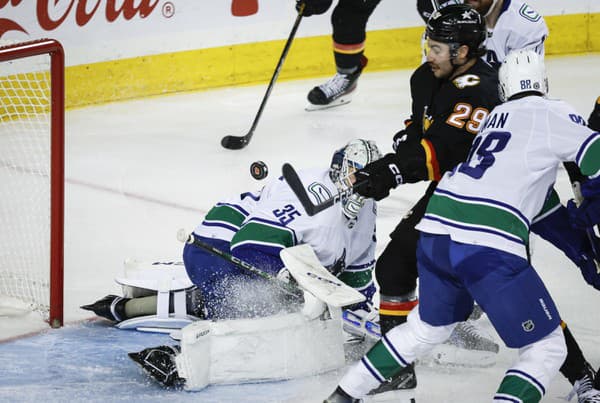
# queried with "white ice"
point(139, 170)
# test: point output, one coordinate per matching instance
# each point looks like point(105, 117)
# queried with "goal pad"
point(32, 177)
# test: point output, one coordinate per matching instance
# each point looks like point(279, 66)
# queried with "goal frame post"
point(57, 146)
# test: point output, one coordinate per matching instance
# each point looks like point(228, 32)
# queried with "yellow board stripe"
point(254, 63)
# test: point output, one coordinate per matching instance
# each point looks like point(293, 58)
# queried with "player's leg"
point(445, 300)
point(396, 268)
point(523, 313)
point(349, 20)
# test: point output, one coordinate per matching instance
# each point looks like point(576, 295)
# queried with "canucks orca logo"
point(320, 192)
point(529, 13)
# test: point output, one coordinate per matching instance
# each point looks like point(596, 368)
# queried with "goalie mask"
point(522, 71)
point(352, 157)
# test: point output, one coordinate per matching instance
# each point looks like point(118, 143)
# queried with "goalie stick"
point(293, 180)
point(238, 142)
point(320, 286)
point(183, 236)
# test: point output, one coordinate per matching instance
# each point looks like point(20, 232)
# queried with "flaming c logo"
point(111, 12)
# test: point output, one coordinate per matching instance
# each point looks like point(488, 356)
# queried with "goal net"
point(32, 178)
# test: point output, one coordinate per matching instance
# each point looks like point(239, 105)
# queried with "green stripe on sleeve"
point(225, 213)
point(356, 279)
point(258, 232)
point(590, 161)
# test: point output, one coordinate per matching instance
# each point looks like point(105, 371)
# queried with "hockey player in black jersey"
point(452, 94)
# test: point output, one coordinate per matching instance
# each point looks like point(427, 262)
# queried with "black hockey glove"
point(313, 7)
point(587, 214)
point(399, 138)
point(377, 178)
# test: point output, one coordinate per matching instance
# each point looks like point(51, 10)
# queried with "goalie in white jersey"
point(255, 227)
point(474, 239)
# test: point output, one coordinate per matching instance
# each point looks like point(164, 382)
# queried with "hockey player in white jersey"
point(474, 242)
point(511, 25)
point(255, 228)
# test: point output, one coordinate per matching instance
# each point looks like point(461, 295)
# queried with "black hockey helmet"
point(425, 7)
point(456, 25)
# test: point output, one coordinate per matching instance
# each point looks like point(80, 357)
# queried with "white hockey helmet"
point(522, 71)
point(353, 156)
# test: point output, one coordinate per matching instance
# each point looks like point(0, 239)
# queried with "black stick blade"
point(293, 180)
point(234, 142)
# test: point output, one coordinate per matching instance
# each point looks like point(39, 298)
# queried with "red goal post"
point(32, 110)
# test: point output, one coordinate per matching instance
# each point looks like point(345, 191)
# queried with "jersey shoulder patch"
point(467, 80)
point(527, 12)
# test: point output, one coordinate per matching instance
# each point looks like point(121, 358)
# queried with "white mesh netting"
point(24, 181)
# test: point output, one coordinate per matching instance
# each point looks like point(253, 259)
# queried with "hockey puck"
point(259, 170)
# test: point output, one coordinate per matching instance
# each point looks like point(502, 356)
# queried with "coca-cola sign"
point(51, 14)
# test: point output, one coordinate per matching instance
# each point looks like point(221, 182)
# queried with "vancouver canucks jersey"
point(278, 221)
point(492, 198)
point(518, 26)
point(226, 217)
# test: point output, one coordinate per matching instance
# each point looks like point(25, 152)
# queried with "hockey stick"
point(238, 142)
point(291, 177)
point(183, 236)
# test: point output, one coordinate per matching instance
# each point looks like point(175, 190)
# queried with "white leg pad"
point(271, 348)
point(142, 278)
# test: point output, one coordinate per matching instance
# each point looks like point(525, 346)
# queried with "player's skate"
point(584, 388)
point(339, 396)
point(400, 388)
point(159, 363)
point(337, 91)
point(111, 307)
point(468, 345)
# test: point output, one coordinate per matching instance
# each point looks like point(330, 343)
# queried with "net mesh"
point(25, 181)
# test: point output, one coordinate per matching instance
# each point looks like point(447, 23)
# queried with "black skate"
point(159, 363)
point(336, 91)
point(401, 388)
point(585, 388)
point(339, 396)
point(110, 307)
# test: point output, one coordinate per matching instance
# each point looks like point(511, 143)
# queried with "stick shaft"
point(289, 289)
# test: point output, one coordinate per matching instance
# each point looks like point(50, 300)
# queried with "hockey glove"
point(589, 269)
point(399, 138)
point(313, 7)
point(586, 215)
point(377, 178)
point(404, 136)
point(590, 188)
